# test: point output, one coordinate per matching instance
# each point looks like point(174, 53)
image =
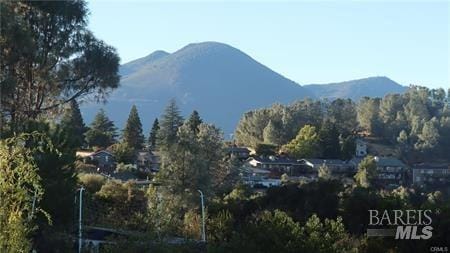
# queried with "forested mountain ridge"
point(378, 86)
point(416, 123)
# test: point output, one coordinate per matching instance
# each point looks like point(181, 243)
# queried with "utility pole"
point(80, 239)
point(203, 216)
point(33, 207)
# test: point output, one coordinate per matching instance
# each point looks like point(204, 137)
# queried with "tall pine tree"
point(102, 132)
point(272, 134)
point(72, 123)
point(153, 134)
point(170, 122)
point(194, 121)
point(132, 134)
point(329, 140)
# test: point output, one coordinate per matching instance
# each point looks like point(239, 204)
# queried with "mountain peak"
point(213, 49)
point(207, 44)
point(156, 55)
point(134, 65)
point(218, 80)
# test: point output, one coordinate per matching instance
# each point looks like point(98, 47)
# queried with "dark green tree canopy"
point(50, 58)
point(329, 140)
point(420, 115)
point(194, 121)
point(367, 172)
point(72, 123)
point(102, 132)
point(266, 149)
point(153, 134)
point(170, 122)
point(132, 134)
point(305, 144)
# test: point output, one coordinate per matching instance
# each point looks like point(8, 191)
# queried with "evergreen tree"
point(271, 134)
point(368, 114)
point(367, 172)
point(403, 142)
point(429, 137)
point(170, 122)
point(348, 148)
point(305, 145)
point(194, 159)
point(194, 121)
point(132, 134)
point(102, 132)
point(390, 107)
point(153, 134)
point(324, 172)
point(264, 149)
point(342, 112)
point(444, 131)
point(329, 141)
point(72, 123)
point(402, 138)
point(123, 153)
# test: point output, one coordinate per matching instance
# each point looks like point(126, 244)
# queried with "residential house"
point(277, 164)
point(83, 154)
point(431, 174)
point(361, 148)
point(391, 171)
point(267, 171)
point(155, 161)
point(241, 153)
point(104, 160)
point(336, 166)
point(257, 177)
point(144, 160)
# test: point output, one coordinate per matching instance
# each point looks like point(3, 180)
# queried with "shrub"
point(92, 182)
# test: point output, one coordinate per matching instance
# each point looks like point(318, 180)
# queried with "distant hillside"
point(355, 89)
point(219, 81)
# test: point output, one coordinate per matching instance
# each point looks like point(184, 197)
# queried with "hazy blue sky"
point(308, 42)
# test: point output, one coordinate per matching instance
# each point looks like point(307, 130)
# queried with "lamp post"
point(80, 235)
point(203, 216)
point(33, 207)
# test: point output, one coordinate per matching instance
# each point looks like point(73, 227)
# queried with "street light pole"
point(203, 216)
point(80, 235)
point(33, 207)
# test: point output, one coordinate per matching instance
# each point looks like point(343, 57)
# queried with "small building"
point(155, 163)
point(276, 164)
point(266, 172)
point(144, 160)
point(241, 153)
point(253, 176)
point(104, 160)
point(361, 148)
point(83, 154)
point(391, 171)
point(431, 174)
point(355, 161)
point(336, 166)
